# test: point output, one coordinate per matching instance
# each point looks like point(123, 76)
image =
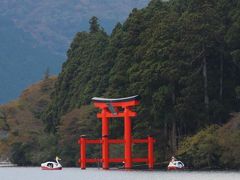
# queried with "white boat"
point(7, 164)
point(174, 164)
point(50, 165)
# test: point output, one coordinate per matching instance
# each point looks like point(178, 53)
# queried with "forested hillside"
point(182, 57)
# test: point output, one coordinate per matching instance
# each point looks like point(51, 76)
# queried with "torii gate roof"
point(109, 100)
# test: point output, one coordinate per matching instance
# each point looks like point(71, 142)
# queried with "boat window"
point(50, 165)
point(180, 163)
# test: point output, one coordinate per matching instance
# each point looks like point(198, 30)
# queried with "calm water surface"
point(17, 173)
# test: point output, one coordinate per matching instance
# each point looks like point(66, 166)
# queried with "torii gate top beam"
point(109, 100)
point(118, 102)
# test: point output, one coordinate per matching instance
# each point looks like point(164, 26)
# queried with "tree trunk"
point(174, 137)
point(179, 134)
point(205, 79)
point(221, 79)
point(165, 131)
point(174, 129)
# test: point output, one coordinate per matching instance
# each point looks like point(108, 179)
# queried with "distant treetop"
point(94, 25)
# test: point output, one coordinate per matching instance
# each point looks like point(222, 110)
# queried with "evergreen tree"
point(46, 74)
point(94, 25)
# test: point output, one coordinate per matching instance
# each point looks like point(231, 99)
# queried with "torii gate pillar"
point(105, 144)
point(127, 138)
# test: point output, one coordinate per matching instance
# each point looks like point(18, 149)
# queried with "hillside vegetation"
point(22, 137)
point(214, 147)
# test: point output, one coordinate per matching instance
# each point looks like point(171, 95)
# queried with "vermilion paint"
point(104, 115)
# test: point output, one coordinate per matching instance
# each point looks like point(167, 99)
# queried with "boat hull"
point(49, 168)
point(173, 168)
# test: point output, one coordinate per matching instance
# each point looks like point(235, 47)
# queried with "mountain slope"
point(22, 60)
point(54, 23)
point(34, 35)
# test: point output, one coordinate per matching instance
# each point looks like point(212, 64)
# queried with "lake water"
point(23, 173)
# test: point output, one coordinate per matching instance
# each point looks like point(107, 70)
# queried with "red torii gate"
point(110, 108)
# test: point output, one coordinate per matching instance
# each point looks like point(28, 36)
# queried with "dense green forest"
point(181, 56)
